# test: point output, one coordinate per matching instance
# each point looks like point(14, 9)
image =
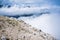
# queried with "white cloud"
point(49, 23)
point(16, 10)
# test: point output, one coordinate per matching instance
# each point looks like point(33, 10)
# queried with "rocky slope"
point(12, 29)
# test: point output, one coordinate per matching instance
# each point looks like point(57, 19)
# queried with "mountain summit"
point(13, 29)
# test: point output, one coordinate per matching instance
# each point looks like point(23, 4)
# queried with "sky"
point(33, 2)
point(41, 14)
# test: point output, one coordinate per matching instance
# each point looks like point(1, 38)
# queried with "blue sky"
point(55, 2)
point(35, 2)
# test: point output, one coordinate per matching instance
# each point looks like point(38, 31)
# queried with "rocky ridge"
point(13, 29)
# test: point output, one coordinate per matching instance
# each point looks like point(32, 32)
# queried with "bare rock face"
point(12, 29)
